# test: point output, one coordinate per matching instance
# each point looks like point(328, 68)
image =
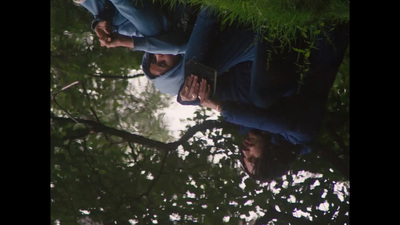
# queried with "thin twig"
point(59, 91)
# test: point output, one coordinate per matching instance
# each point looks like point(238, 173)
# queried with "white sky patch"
point(175, 114)
point(140, 82)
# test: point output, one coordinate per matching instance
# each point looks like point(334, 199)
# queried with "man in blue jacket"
point(298, 113)
point(141, 25)
point(165, 51)
point(254, 95)
point(209, 43)
point(278, 133)
point(221, 48)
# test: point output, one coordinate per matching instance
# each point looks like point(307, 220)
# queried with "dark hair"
point(277, 158)
point(146, 65)
point(148, 59)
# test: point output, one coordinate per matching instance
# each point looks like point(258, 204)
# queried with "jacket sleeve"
point(101, 10)
point(200, 43)
point(298, 123)
point(168, 43)
point(203, 36)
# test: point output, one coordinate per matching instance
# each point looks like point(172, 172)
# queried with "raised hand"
point(190, 89)
point(103, 31)
point(204, 96)
point(204, 92)
point(118, 40)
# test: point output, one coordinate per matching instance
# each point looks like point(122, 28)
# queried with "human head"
point(161, 63)
point(169, 82)
point(266, 157)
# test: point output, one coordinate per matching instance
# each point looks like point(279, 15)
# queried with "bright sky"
point(177, 112)
point(173, 114)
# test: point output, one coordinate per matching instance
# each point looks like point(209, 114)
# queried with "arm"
point(298, 123)
point(272, 120)
point(168, 43)
point(298, 120)
point(103, 12)
point(117, 40)
point(203, 36)
point(198, 48)
point(145, 17)
point(163, 44)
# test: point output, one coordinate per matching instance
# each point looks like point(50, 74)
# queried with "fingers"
point(186, 86)
point(102, 31)
point(190, 89)
point(104, 39)
point(204, 91)
point(188, 83)
point(194, 88)
point(103, 27)
point(107, 28)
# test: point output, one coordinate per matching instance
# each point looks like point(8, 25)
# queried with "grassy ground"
point(281, 17)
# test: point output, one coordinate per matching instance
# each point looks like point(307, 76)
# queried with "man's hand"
point(204, 96)
point(118, 40)
point(190, 89)
point(103, 31)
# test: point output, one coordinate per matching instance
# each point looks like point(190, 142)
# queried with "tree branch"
point(95, 126)
point(116, 76)
point(208, 124)
point(98, 127)
point(129, 137)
